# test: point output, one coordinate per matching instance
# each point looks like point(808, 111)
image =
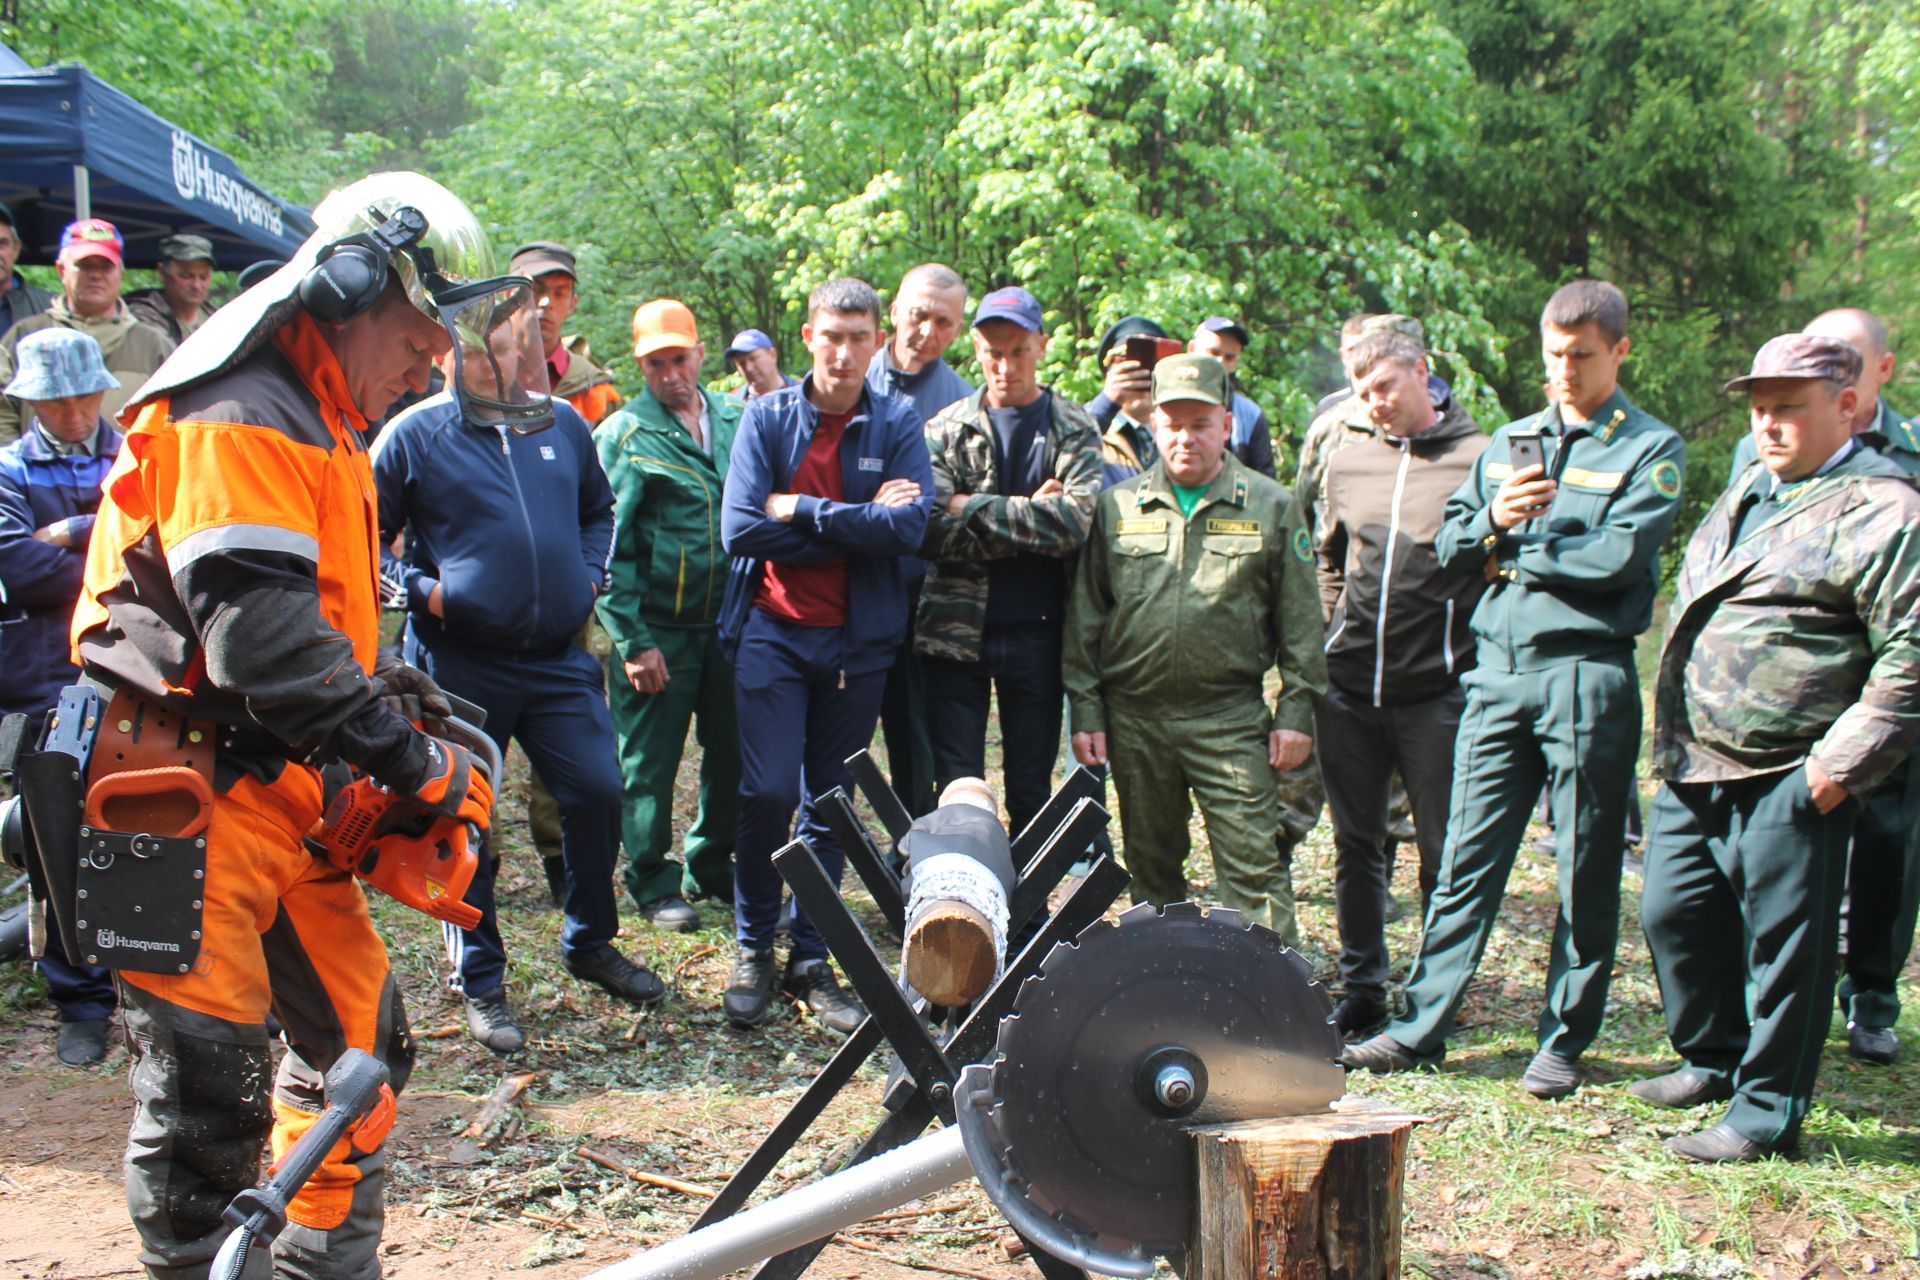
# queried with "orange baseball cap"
point(661, 324)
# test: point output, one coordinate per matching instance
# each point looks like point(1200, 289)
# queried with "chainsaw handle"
point(465, 733)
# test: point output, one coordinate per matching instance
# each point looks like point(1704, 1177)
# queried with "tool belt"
point(118, 801)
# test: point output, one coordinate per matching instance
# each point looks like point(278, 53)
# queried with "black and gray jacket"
point(1396, 621)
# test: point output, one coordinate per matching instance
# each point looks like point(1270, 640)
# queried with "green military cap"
point(1396, 323)
point(187, 249)
point(1190, 377)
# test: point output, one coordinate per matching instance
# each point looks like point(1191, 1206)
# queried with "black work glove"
point(409, 691)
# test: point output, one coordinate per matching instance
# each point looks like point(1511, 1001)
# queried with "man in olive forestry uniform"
point(1196, 579)
point(1789, 684)
point(665, 455)
point(1570, 547)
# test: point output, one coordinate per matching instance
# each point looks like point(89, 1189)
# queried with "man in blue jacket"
point(510, 527)
point(49, 489)
point(829, 490)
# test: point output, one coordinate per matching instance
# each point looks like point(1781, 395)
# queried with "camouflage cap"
point(185, 248)
point(1394, 322)
point(1190, 377)
point(1803, 355)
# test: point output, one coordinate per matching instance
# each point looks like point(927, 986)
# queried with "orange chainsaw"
point(415, 856)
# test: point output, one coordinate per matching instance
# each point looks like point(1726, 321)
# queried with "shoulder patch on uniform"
point(1303, 544)
point(1666, 478)
point(1144, 524)
point(1249, 528)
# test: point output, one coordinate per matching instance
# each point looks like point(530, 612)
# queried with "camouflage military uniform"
point(1145, 663)
point(1883, 868)
point(962, 645)
point(1793, 639)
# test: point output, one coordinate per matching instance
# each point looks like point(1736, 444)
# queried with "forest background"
point(1735, 165)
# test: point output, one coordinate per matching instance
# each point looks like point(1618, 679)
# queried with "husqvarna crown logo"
point(195, 178)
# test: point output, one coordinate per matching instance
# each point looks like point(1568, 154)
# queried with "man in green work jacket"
point(1883, 866)
point(665, 454)
point(1196, 580)
point(1789, 685)
point(1570, 547)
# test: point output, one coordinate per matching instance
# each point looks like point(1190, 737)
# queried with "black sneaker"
point(671, 914)
point(1357, 1014)
point(618, 976)
point(749, 997)
point(812, 983)
point(82, 1043)
point(492, 1024)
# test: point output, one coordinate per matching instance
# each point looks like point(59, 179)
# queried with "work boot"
point(1686, 1087)
point(618, 976)
point(1359, 1012)
point(749, 997)
point(1722, 1144)
point(82, 1043)
point(671, 914)
point(1550, 1075)
point(492, 1024)
point(1384, 1055)
point(556, 868)
point(1878, 1045)
point(812, 983)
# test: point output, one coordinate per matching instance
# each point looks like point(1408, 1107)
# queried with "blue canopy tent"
point(73, 146)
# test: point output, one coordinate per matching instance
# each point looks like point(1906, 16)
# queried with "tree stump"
point(1312, 1197)
point(949, 956)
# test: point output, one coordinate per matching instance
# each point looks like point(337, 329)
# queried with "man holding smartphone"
point(1569, 545)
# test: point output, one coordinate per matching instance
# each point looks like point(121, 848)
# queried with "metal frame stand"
point(1056, 838)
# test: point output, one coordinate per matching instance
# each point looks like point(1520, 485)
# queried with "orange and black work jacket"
point(232, 573)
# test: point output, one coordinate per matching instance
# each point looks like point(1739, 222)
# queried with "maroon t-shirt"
point(812, 595)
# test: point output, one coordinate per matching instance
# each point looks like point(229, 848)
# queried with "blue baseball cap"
point(748, 340)
point(1012, 304)
point(1227, 325)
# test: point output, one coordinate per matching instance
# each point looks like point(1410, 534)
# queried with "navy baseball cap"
point(1012, 304)
point(1229, 326)
point(748, 340)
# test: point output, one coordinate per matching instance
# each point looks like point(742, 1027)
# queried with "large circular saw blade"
point(1079, 1130)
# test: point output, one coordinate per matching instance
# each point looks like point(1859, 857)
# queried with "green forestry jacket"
point(1178, 619)
point(1579, 581)
point(953, 604)
point(669, 569)
point(1801, 639)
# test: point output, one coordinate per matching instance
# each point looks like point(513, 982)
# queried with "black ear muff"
point(346, 280)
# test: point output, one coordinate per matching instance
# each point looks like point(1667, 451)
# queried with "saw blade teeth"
point(1185, 911)
point(1137, 912)
point(1228, 916)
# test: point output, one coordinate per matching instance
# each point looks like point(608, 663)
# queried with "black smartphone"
point(1147, 351)
point(1525, 450)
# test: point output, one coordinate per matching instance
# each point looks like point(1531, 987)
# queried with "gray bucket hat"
point(52, 364)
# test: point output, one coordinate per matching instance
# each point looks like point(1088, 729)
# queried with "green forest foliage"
point(1735, 165)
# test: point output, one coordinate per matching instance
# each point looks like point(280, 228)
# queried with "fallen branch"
point(504, 1096)
point(698, 953)
point(439, 1033)
point(552, 1222)
point(864, 1247)
point(650, 1179)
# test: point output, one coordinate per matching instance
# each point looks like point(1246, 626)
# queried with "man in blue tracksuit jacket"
point(509, 534)
point(50, 479)
point(829, 490)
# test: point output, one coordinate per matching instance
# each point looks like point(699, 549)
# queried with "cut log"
point(949, 956)
point(1312, 1197)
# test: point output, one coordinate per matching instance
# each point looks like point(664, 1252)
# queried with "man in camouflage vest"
point(1788, 685)
point(1016, 470)
point(1196, 581)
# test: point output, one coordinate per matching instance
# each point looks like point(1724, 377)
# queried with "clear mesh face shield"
point(499, 368)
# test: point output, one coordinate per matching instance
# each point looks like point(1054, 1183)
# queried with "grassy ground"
point(1499, 1185)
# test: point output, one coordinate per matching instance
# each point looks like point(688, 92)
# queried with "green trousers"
point(1883, 892)
point(650, 732)
point(1743, 896)
point(1575, 727)
point(1160, 767)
